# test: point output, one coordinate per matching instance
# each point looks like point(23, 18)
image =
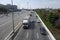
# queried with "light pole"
point(27, 4)
point(12, 16)
point(30, 6)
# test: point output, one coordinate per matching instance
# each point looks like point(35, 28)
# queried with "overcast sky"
point(33, 3)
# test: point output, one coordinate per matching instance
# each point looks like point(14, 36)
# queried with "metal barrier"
point(10, 36)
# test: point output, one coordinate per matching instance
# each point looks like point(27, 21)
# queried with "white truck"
point(26, 22)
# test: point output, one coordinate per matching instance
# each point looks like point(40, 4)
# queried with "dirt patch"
point(55, 32)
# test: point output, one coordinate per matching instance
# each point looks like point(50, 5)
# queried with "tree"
point(52, 18)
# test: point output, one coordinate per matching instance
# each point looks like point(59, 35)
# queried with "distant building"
point(2, 5)
point(13, 7)
point(9, 6)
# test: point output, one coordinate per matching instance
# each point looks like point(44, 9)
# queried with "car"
point(43, 31)
point(38, 21)
point(30, 14)
point(24, 27)
point(36, 17)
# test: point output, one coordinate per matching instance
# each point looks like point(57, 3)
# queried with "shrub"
point(57, 24)
point(52, 18)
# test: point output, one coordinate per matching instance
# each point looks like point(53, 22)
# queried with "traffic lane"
point(2, 21)
point(7, 23)
point(4, 29)
point(31, 30)
point(5, 18)
point(20, 18)
point(9, 17)
point(37, 30)
point(16, 23)
point(24, 34)
point(15, 18)
point(38, 33)
point(30, 35)
point(27, 34)
point(34, 33)
point(21, 34)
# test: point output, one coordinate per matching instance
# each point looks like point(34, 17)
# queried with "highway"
point(6, 23)
point(33, 33)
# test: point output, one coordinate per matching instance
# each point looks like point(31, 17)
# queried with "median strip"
point(12, 35)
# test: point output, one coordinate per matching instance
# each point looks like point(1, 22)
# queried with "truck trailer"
point(26, 22)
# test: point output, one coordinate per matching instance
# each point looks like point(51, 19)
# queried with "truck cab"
point(26, 22)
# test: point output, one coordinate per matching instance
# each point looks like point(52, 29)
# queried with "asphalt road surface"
point(33, 33)
point(6, 23)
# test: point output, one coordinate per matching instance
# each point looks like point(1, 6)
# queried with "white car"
point(38, 21)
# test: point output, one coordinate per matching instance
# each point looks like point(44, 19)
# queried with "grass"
point(54, 31)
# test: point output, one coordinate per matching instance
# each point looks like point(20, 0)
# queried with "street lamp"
point(12, 16)
point(27, 5)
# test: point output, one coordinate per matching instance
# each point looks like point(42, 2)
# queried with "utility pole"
point(12, 15)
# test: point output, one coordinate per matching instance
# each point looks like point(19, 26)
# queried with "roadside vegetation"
point(51, 18)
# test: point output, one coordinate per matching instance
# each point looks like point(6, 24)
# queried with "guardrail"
point(51, 37)
point(11, 35)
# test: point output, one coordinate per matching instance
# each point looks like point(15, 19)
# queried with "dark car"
point(36, 17)
point(43, 31)
point(30, 14)
point(25, 27)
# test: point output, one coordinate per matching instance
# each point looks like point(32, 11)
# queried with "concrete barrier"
point(51, 37)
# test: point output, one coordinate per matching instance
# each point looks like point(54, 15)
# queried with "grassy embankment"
point(54, 31)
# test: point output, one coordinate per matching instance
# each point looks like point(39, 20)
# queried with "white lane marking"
point(37, 36)
point(6, 29)
point(48, 31)
point(8, 36)
point(27, 35)
point(18, 32)
point(10, 33)
point(8, 22)
point(17, 26)
point(11, 26)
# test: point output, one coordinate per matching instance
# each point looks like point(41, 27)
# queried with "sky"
point(33, 3)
